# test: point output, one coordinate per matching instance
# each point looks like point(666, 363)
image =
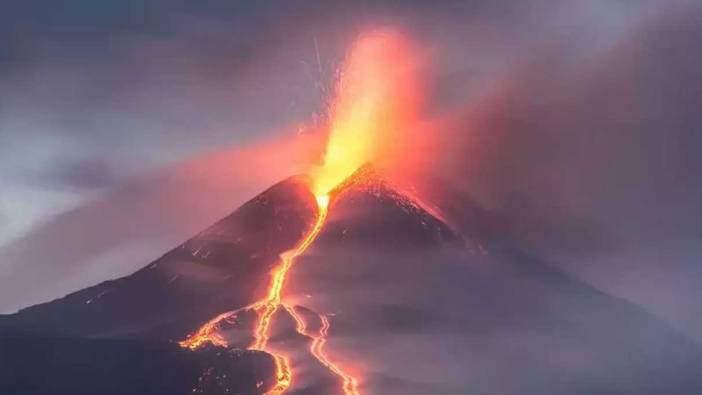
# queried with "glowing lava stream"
point(266, 308)
point(376, 94)
point(208, 333)
point(269, 306)
point(350, 383)
point(272, 302)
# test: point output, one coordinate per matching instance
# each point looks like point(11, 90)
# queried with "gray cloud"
point(595, 160)
point(90, 174)
point(128, 226)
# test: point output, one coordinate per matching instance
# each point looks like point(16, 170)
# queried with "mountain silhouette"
point(413, 305)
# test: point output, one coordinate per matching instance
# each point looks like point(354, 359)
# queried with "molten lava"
point(270, 305)
point(375, 106)
point(266, 308)
point(208, 333)
point(375, 100)
point(350, 383)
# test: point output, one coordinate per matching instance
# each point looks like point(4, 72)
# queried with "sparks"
point(374, 107)
point(375, 100)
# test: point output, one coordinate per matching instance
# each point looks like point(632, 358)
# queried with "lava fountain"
point(375, 106)
point(374, 100)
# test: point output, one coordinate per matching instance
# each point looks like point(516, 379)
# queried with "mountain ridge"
point(390, 278)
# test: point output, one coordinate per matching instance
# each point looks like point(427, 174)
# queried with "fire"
point(374, 107)
point(375, 101)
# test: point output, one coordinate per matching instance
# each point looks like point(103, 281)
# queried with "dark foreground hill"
point(118, 367)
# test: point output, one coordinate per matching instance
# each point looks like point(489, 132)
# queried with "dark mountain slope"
point(421, 310)
point(415, 307)
point(219, 269)
point(116, 367)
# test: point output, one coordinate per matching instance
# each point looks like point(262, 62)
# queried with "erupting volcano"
point(366, 104)
point(269, 306)
point(364, 179)
point(342, 282)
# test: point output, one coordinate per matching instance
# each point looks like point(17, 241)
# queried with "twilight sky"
point(92, 94)
point(126, 126)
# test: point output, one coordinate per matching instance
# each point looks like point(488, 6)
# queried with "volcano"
point(381, 296)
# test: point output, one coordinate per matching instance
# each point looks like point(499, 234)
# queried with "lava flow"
point(350, 383)
point(375, 99)
point(270, 305)
point(208, 333)
point(266, 308)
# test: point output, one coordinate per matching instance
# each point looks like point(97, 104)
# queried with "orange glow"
point(208, 333)
point(265, 309)
point(375, 106)
point(269, 306)
point(350, 383)
point(283, 375)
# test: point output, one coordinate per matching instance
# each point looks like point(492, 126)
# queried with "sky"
point(127, 126)
point(93, 94)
